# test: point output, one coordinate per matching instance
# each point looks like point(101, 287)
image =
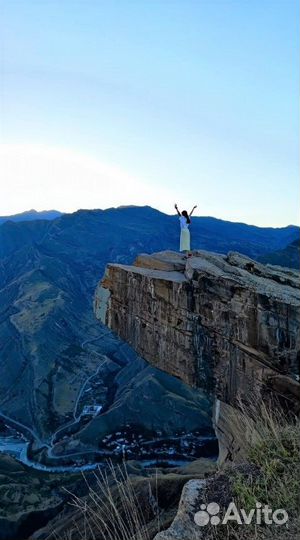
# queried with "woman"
point(185, 238)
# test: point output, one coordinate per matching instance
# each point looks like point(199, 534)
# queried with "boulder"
point(184, 526)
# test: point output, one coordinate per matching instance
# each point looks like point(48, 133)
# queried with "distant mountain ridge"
point(161, 229)
point(31, 215)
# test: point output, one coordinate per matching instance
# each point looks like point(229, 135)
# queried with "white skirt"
point(185, 240)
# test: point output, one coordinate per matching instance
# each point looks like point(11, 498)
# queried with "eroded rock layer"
point(226, 324)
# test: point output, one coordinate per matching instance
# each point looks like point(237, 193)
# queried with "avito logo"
point(260, 514)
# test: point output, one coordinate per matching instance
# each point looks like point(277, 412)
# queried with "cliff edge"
point(223, 323)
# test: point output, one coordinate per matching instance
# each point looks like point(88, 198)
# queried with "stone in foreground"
point(184, 526)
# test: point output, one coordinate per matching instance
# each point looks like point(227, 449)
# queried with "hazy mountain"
point(30, 215)
point(288, 256)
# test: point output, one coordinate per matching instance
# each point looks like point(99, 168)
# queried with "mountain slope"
point(288, 256)
point(50, 343)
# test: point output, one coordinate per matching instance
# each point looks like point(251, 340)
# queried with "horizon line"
point(120, 207)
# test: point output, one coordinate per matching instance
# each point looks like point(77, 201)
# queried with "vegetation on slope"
point(270, 476)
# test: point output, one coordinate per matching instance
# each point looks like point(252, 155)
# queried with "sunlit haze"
point(136, 102)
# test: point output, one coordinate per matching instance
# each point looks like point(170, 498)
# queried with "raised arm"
point(193, 210)
point(176, 207)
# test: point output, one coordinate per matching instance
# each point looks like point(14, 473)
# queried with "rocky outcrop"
point(183, 526)
point(223, 323)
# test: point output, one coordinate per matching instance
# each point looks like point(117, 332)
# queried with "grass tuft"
point(113, 510)
point(270, 475)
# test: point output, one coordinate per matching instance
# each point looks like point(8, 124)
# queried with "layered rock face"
point(226, 324)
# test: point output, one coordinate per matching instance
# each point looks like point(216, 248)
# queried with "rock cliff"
point(223, 323)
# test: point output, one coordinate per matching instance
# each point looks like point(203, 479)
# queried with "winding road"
point(29, 433)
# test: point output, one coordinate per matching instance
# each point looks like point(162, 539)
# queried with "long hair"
point(187, 217)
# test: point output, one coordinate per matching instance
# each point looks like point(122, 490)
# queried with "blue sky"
point(151, 102)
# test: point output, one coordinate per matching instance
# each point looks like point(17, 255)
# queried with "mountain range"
point(31, 215)
point(49, 341)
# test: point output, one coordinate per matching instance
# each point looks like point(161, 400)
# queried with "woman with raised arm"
point(185, 238)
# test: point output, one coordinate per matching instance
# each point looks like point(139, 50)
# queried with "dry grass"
point(120, 507)
point(270, 476)
point(114, 509)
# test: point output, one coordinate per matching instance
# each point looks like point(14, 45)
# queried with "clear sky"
point(153, 102)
